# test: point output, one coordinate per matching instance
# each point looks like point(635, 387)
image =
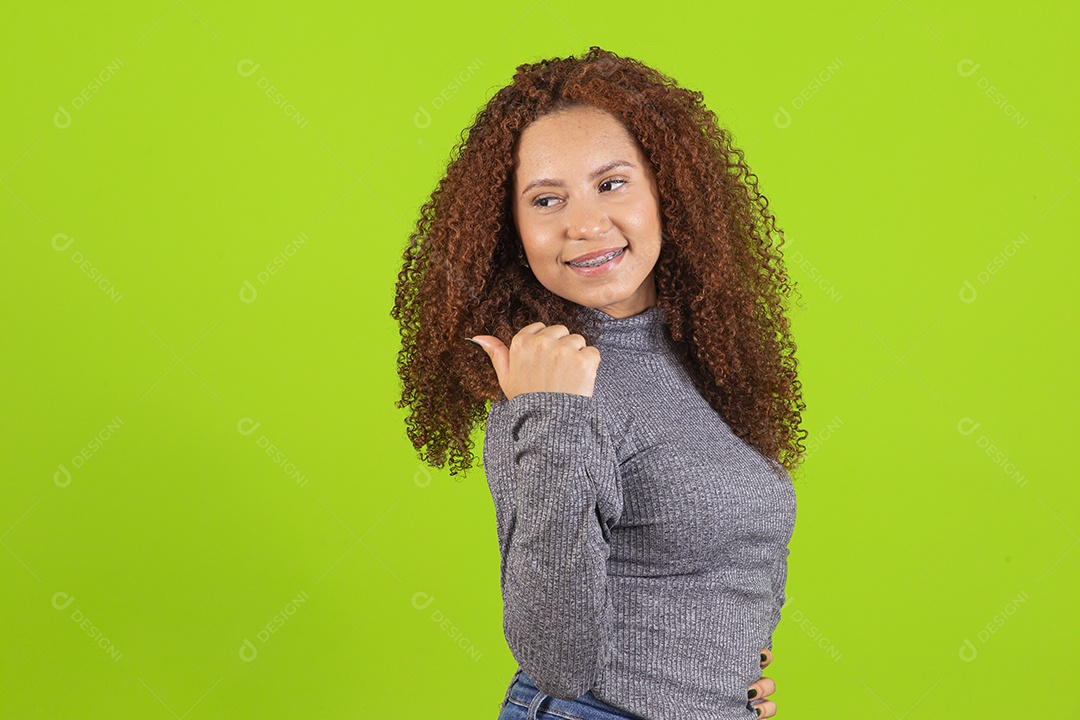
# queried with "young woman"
point(604, 243)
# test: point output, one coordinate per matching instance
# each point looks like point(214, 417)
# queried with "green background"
point(210, 507)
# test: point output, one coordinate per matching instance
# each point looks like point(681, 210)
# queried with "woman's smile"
point(598, 265)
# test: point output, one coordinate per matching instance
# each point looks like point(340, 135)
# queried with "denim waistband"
point(588, 706)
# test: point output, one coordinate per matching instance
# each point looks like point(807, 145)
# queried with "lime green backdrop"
point(210, 508)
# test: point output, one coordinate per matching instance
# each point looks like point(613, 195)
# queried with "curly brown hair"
point(719, 278)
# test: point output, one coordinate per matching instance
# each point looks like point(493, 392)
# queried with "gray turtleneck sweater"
point(644, 545)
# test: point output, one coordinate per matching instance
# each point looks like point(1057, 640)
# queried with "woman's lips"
point(598, 253)
point(601, 269)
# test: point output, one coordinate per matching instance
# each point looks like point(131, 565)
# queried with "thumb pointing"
point(496, 350)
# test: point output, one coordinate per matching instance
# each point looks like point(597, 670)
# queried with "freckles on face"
point(583, 188)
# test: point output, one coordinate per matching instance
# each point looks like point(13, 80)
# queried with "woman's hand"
point(763, 688)
point(542, 358)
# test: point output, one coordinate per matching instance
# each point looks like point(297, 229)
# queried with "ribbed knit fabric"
point(644, 545)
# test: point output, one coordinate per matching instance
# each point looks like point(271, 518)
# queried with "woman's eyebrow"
point(596, 173)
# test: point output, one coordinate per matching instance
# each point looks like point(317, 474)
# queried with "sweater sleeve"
point(779, 593)
point(554, 481)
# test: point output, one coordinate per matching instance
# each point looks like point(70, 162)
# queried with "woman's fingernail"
point(480, 346)
point(751, 694)
point(758, 711)
point(763, 658)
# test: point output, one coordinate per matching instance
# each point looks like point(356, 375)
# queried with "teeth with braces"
point(597, 261)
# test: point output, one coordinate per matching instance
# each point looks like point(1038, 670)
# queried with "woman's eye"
point(538, 202)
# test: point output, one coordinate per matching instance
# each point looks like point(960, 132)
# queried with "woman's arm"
point(553, 477)
point(779, 593)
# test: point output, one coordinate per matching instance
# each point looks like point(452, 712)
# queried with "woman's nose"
point(586, 218)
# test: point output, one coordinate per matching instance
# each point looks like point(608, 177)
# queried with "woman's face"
point(581, 186)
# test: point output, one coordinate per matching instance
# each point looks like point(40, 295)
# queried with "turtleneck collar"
point(643, 332)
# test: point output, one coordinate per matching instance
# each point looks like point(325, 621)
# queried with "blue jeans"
point(524, 701)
